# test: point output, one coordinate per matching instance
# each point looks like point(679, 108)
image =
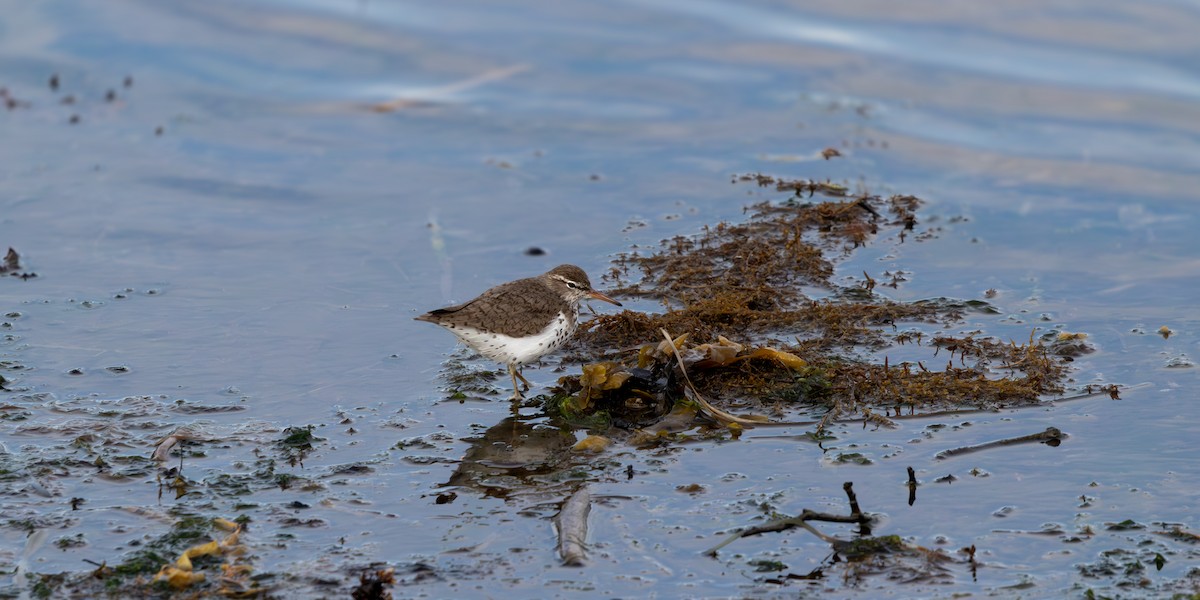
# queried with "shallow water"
point(255, 267)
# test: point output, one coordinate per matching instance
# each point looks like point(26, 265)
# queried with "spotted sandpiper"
point(518, 322)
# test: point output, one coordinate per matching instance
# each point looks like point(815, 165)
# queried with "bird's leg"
point(512, 370)
point(523, 380)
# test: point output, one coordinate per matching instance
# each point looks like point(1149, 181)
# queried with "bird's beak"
point(599, 296)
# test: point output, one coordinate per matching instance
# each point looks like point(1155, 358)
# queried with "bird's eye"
point(572, 285)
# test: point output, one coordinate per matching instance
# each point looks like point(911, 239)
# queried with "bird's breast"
point(515, 350)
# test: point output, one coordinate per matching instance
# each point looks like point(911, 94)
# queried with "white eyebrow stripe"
point(565, 280)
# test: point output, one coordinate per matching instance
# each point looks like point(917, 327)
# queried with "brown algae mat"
point(752, 340)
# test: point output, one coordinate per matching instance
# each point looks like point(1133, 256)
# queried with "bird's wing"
point(505, 307)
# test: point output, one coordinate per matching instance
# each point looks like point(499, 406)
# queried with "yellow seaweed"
point(593, 444)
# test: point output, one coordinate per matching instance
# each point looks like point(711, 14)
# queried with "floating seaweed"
point(795, 353)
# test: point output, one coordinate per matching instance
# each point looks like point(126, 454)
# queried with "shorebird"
point(518, 322)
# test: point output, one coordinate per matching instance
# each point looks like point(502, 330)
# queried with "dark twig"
point(1051, 436)
point(912, 486)
point(856, 516)
point(854, 509)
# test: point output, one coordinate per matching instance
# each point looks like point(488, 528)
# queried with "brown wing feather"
point(518, 308)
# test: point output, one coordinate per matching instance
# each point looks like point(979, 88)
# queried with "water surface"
point(255, 263)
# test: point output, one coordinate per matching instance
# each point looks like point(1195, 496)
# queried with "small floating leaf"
point(786, 359)
point(226, 524)
point(669, 349)
point(592, 444)
point(178, 578)
point(1125, 525)
point(735, 429)
point(206, 549)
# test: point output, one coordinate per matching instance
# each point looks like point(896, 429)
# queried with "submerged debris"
point(859, 557)
point(571, 523)
point(234, 579)
point(856, 516)
point(296, 443)
point(181, 434)
point(12, 266)
point(1052, 436)
point(374, 584)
